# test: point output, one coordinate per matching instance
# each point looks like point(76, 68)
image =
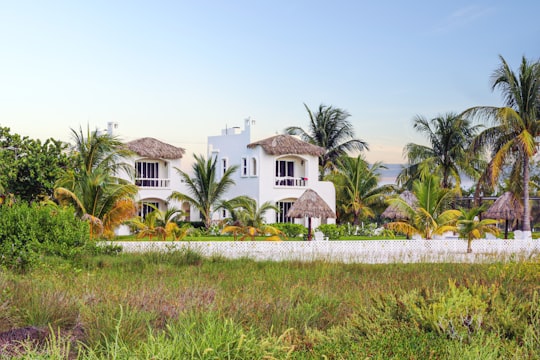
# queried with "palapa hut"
point(155, 149)
point(392, 211)
point(506, 207)
point(287, 144)
point(310, 205)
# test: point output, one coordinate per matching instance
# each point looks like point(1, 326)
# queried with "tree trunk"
point(469, 247)
point(526, 212)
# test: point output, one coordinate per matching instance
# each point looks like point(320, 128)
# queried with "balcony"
point(289, 181)
point(155, 183)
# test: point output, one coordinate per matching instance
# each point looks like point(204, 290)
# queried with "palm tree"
point(431, 214)
point(248, 219)
point(205, 189)
point(158, 222)
point(329, 128)
point(470, 227)
point(513, 137)
point(357, 187)
point(92, 185)
point(149, 226)
point(449, 136)
point(244, 210)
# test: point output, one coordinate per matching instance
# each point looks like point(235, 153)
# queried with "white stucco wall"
point(232, 145)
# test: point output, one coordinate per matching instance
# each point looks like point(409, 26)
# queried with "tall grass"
point(181, 305)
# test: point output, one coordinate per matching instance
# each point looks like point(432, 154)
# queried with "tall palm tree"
point(329, 128)
point(449, 136)
point(513, 137)
point(357, 187)
point(93, 186)
point(431, 214)
point(205, 189)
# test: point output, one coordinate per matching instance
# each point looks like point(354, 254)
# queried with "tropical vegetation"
point(470, 226)
point(358, 192)
point(29, 168)
point(92, 185)
point(248, 220)
point(206, 188)
point(512, 138)
point(330, 128)
point(431, 214)
point(449, 136)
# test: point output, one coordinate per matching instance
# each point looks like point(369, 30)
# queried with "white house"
point(278, 169)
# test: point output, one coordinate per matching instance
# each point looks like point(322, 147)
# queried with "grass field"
point(182, 306)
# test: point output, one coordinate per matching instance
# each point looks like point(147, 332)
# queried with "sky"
point(180, 71)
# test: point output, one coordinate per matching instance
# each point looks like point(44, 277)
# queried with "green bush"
point(29, 230)
point(333, 231)
point(291, 230)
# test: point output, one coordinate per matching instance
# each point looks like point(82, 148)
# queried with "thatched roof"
point(311, 205)
point(287, 144)
point(155, 149)
point(392, 212)
point(506, 207)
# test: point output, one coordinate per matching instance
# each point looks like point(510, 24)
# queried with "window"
point(147, 173)
point(244, 166)
point(284, 168)
point(283, 209)
point(224, 165)
point(253, 166)
point(147, 207)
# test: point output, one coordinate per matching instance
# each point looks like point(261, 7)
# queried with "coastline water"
point(389, 175)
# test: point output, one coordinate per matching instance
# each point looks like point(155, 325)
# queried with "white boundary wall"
point(358, 251)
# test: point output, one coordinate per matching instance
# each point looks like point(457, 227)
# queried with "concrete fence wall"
point(366, 251)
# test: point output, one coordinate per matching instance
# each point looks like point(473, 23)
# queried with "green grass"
point(181, 305)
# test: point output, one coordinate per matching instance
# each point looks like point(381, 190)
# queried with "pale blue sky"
point(182, 70)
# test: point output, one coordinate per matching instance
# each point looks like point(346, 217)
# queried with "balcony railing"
point(152, 182)
point(288, 181)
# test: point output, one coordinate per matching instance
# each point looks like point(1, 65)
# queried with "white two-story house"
point(155, 164)
point(277, 169)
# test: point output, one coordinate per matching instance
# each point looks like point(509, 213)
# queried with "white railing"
point(286, 181)
point(366, 251)
point(152, 182)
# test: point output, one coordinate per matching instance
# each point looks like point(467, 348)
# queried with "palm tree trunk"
point(469, 247)
point(526, 211)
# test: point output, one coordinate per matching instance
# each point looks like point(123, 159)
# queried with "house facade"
point(278, 169)
point(155, 163)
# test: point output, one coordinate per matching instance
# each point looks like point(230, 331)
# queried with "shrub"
point(291, 230)
point(333, 231)
point(29, 230)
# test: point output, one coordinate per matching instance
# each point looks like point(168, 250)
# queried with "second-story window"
point(253, 166)
point(284, 168)
point(224, 165)
point(147, 173)
point(244, 166)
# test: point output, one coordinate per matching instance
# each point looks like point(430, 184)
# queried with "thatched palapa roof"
point(506, 207)
point(155, 149)
point(310, 205)
point(287, 144)
point(392, 211)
